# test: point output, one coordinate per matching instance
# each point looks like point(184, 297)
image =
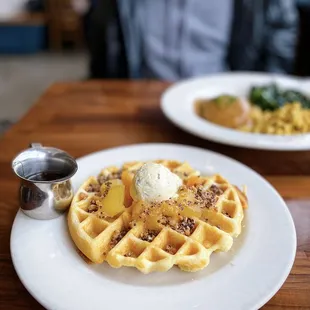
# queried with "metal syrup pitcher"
point(45, 190)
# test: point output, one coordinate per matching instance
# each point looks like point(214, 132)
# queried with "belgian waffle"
point(185, 241)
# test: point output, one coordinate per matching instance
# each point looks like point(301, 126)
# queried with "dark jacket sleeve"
point(106, 48)
point(264, 35)
point(280, 36)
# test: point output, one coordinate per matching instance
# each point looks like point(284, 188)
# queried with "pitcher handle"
point(35, 145)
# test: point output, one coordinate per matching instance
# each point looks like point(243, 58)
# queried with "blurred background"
point(44, 41)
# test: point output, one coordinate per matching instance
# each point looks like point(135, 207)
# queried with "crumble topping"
point(167, 221)
point(92, 208)
point(148, 235)
point(216, 190)
point(83, 196)
point(109, 176)
point(117, 237)
point(106, 190)
point(93, 188)
point(207, 199)
point(130, 254)
point(170, 249)
point(185, 227)
point(96, 203)
point(101, 215)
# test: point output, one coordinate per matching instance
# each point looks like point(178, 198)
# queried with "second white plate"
point(177, 104)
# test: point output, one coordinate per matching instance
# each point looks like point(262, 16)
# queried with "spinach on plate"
point(271, 97)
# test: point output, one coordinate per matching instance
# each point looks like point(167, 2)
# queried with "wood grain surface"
point(84, 117)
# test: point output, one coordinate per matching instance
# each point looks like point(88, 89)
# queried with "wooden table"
point(90, 116)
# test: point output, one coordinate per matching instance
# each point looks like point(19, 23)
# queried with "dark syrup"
point(46, 176)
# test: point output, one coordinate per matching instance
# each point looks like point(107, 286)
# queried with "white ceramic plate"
point(177, 104)
point(246, 277)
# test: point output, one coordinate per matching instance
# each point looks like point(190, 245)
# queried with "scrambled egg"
point(288, 120)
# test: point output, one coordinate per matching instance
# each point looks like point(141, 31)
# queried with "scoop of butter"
point(154, 183)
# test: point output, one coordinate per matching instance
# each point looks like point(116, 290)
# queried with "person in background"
point(80, 6)
point(303, 51)
point(84, 8)
point(175, 39)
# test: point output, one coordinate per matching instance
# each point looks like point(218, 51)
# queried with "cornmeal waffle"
point(129, 238)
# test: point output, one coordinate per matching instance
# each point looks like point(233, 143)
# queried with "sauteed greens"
point(271, 97)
